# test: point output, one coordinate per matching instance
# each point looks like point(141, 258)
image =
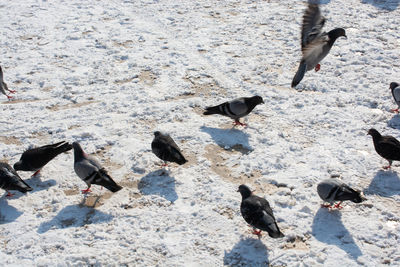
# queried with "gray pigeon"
point(166, 149)
point(235, 109)
point(395, 87)
point(331, 190)
point(3, 86)
point(10, 180)
point(35, 159)
point(315, 44)
point(257, 212)
point(90, 170)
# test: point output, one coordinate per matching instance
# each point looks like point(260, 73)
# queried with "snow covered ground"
point(110, 73)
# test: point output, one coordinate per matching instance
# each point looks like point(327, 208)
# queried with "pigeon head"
point(336, 33)
point(157, 133)
point(393, 85)
point(244, 191)
point(257, 100)
point(374, 133)
point(78, 151)
point(359, 198)
point(18, 166)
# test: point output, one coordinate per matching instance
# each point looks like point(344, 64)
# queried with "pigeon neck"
point(333, 35)
point(251, 103)
point(78, 153)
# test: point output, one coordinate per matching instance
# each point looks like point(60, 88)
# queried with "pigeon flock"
point(256, 211)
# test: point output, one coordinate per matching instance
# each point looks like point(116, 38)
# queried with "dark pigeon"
point(166, 149)
point(387, 147)
point(90, 170)
point(257, 212)
point(3, 86)
point(36, 158)
point(315, 44)
point(395, 88)
point(331, 190)
point(10, 180)
point(235, 109)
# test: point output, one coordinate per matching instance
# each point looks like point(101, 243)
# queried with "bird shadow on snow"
point(394, 122)
point(321, 2)
point(229, 138)
point(7, 213)
point(37, 184)
point(390, 5)
point(384, 183)
point(247, 252)
point(158, 183)
point(75, 216)
point(327, 227)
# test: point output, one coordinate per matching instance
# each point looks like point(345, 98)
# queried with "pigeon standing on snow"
point(387, 147)
point(257, 212)
point(166, 149)
point(3, 86)
point(90, 170)
point(36, 158)
point(395, 87)
point(10, 180)
point(331, 190)
point(315, 45)
point(235, 109)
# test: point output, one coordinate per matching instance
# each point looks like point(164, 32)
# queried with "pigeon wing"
point(396, 95)
point(238, 107)
point(85, 168)
point(312, 25)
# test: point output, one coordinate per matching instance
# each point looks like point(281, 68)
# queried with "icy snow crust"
point(110, 73)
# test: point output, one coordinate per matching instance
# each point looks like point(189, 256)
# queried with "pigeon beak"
point(345, 37)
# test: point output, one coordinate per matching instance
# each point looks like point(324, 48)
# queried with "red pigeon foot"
point(9, 97)
point(257, 233)
point(9, 194)
point(12, 91)
point(338, 205)
point(85, 191)
point(395, 110)
point(386, 167)
point(235, 123)
point(317, 67)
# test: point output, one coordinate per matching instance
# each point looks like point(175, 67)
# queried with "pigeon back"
point(10, 180)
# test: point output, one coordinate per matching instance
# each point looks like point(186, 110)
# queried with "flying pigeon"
point(3, 86)
point(235, 109)
point(315, 45)
point(166, 149)
point(10, 180)
point(35, 159)
point(331, 190)
point(395, 87)
point(90, 170)
point(387, 147)
point(257, 212)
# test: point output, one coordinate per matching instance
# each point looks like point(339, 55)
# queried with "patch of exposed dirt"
point(147, 77)
point(10, 140)
point(71, 105)
point(298, 243)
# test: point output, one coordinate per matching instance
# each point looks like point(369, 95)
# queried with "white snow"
point(110, 73)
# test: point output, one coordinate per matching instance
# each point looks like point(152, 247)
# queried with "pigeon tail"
point(299, 74)
point(276, 234)
point(106, 181)
point(213, 110)
point(62, 148)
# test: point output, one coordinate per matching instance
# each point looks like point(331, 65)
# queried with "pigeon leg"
point(9, 97)
point(395, 110)
point(237, 122)
point(12, 91)
point(326, 206)
point(9, 194)
point(389, 166)
point(338, 205)
point(165, 164)
point(36, 173)
point(85, 191)
point(317, 67)
point(257, 233)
